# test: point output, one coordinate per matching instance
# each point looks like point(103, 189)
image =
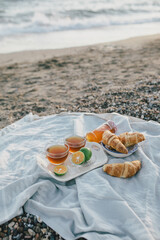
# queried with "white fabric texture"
point(94, 205)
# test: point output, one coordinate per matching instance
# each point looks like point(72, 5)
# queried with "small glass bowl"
point(75, 142)
point(57, 153)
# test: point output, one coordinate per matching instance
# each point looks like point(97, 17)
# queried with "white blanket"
point(94, 205)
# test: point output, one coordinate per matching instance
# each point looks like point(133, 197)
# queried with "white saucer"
point(114, 153)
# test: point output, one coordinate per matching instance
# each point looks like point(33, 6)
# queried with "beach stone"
point(52, 238)
point(30, 225)
point(24, 219)
point(6, 238)
point(8, 231)
point(17, 237)
point(15, 232)
point(25, 227)
point(2, 234)
point(19, 220)
point(16, 225)
point(29, 220)
point(39, 219)
point(20, 229)
point(31, 232)
point(44, 230)
point(44, 225)
point(10, 225)
point(35, 221)
point(37, 237)
point(26, 233)
point(21, 224)
point(37, 229)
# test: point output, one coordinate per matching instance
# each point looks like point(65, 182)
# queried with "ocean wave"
point(68, 24)
point(20, 17)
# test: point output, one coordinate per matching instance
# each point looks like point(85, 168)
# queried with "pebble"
point(19, 229)
point(31, 232)
point(44, 230)
point(27, 237)
point(16, 226)
point(25, 219)
point(6, 238)
point(11, 224)
point(138, 103)
point(37, 229)
point(39, 219)
point(2, 234)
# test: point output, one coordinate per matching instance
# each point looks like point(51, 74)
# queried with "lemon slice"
point(60, 170)
point(78, 157)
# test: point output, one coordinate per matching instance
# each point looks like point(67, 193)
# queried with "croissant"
point(113, 141)
point(123, 170)
point(130, 139)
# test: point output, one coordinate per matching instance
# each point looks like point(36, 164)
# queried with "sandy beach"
point(122, 77)
point(118, 77)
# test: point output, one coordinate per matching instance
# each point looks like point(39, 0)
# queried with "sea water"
point(53, 24)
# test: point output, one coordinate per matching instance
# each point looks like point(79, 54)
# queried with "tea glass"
point(57, 153)
point(75, 143)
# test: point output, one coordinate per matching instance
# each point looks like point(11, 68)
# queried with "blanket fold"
point(94, 205)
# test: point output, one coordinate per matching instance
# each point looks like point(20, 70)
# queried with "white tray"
point(98, 158)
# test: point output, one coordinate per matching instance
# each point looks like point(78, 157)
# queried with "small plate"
point(114, 153)
point(98, 159)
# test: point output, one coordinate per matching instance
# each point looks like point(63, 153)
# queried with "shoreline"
point(76, 37)
point(121, 76)
point(38, 55)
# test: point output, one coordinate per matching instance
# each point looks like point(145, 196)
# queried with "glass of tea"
point(57, 153)
point(75, 143)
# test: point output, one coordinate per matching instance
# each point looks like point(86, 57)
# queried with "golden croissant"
point(130, 139)
point(123, 170)
point(113, 141)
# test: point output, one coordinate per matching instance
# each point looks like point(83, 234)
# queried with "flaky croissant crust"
point(130, 139)
point(123, 170)
point(112, 140)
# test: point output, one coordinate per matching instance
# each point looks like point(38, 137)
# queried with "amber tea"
point(57, 154)
point(75, 143)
